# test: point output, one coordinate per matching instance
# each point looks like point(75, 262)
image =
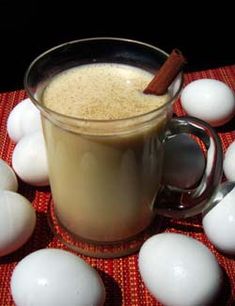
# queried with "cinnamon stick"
point(167, 73)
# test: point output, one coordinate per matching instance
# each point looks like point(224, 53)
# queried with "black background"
point(205, 34)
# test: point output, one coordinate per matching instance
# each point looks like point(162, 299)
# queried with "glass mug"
point(105, 175)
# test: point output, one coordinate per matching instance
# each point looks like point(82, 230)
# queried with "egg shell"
point(17, 221)
point(8, 180)
point(56, 277)
point(210, 100)
point(229, 162)
point(29, 160)
point(219, 224)
point(23, 119)
point(179, 270)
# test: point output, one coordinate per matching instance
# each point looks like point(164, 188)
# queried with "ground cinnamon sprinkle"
point(166, 74)
point(101, 91)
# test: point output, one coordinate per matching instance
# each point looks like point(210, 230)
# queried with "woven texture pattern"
point(121, 277)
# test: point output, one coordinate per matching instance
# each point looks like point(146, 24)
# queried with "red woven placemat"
point(120, 276)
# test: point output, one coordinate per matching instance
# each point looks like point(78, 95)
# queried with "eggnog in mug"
point(104, 140)
point(104, 179)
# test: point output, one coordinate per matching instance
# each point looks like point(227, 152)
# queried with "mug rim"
point(49, 112)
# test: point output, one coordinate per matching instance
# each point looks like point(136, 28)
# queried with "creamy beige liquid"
point(101, 91)
point(104, 187)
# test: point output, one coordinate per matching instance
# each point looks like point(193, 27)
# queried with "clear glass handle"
point(183, 203)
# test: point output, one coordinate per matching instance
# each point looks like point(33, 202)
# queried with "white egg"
point(219, 224)
point(56, 277)
point(210, 100)
point(229, 162)
point(179, 270)
point(29, 160)
point(17, 221)
point(23, 119)
point(8, 180)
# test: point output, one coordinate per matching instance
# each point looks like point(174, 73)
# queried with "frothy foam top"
point(101, 91)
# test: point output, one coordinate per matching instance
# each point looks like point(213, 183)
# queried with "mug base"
point(99, 249)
